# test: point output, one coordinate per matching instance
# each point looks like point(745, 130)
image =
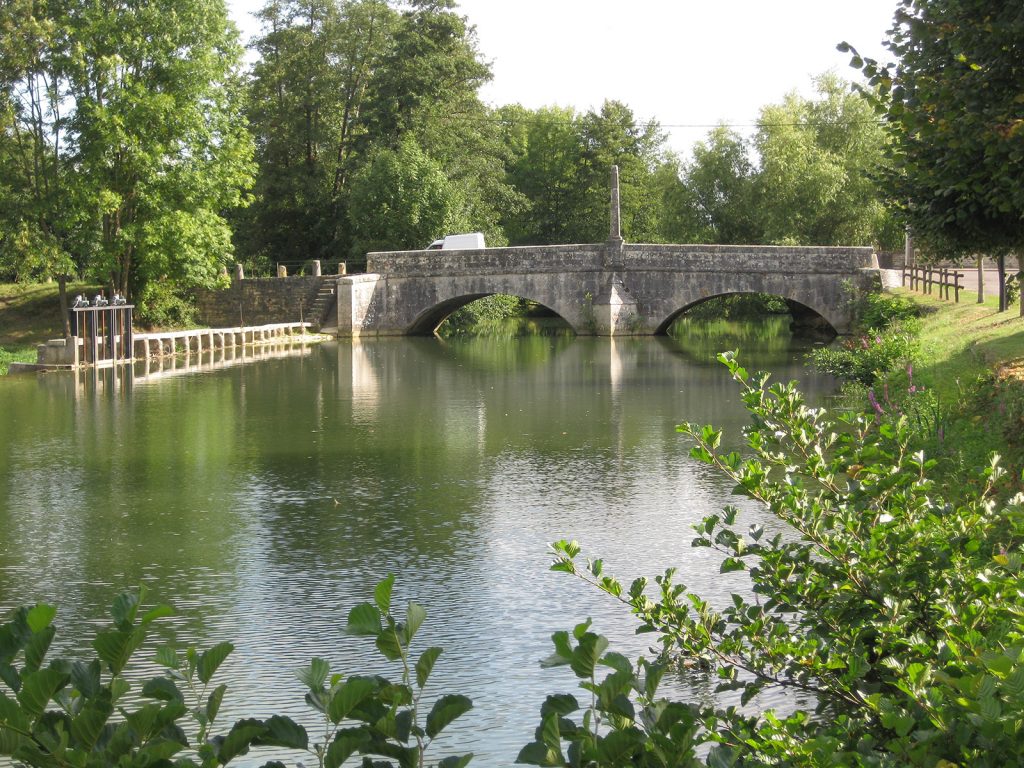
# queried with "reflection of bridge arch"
point(604, 289)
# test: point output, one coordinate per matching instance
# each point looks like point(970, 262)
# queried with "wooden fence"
point(929, 279)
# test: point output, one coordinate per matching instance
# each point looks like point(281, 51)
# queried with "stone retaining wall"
point(258, 301)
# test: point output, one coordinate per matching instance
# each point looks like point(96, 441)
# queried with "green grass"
point(16, 355)
point(972, 358)
point(29, 315)
point(965, 341)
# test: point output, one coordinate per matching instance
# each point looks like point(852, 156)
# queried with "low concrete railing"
point(61, 353)
point(199, 340)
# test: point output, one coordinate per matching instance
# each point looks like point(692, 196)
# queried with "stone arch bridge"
point(605, 289)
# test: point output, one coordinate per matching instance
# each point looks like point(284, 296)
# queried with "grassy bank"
point(29, 315)
point(972, 359)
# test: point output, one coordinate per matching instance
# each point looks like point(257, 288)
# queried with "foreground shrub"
point(871, 356)
point(899, 611)
point(87, 715)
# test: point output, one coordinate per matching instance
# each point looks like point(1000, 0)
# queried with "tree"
point(562, 163)
point(305, 99)
point(432, 60)
point(817, 157)
point(545, 150)
point(613, 137)
point(123, 144)
point(720, 194)
point(160, 146)
point(35, 220)
point(952, 107)
point(890, 597)
point(401, 199)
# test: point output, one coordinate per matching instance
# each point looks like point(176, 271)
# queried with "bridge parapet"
point(521, 259)
point(598, 257)
point(761, 259)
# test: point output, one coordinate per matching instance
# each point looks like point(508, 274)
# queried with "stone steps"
point(322, 304)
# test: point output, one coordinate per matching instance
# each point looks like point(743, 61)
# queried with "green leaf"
point(561, 704)
point(116, 646)
point(86, 678)
point(348, 696)
point(211, 659)
point(364, 620)
point(162, 689)
point(158, 612)
point(40, 616)
point(444, 711)
point(721, 757)
point(587, 653)
point(425, 665)
point(551, 734)
point(345, 744)
point(38, 688)
point(315, 675)
point(167, 657)
point(389, 645)
point(36, 648)
point(539, 753)
point(87, 726)
point(415, 616)
point(124, 608)
point(382, 593)
point(460, 761)
point(283, 732)
point(242, 735)
point(563, 650)
point(213, 702)
point(11, 714)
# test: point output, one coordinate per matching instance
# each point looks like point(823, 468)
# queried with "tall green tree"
point(432, 60)
point(161, 148)
point(720, 194)
point(317, 58)
point(817, 161)
point(545, 150)
point(612, 136)
point(35, 218)
point(953, 104)
point(122, 144)
point(562, 163)
point(401, 200)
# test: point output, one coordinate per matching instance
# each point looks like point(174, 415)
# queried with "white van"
point(464, 242)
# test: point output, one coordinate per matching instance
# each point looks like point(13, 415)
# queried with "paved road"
point(970, 280)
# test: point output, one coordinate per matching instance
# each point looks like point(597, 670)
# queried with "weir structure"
point(604, 289)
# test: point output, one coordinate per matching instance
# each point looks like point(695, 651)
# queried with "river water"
point(265, 499)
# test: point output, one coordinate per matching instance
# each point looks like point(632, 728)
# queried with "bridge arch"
point(430, 319)
point(805, 315)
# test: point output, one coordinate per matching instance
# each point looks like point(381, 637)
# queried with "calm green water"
point(265, 499)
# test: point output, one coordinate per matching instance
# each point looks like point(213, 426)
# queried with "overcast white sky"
point(681, 62)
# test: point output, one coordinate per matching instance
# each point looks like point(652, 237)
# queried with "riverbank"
point(971, 359)
point(29, 316)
